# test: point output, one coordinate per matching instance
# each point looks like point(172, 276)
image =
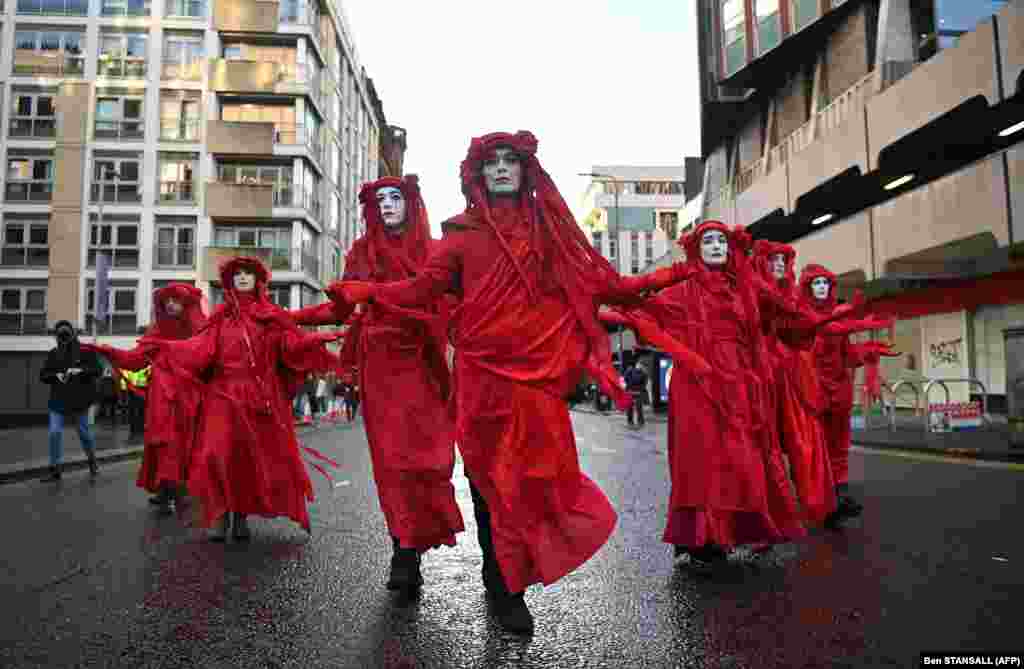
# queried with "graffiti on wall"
point(946, 353)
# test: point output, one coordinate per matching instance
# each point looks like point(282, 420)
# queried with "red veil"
point(191, 320)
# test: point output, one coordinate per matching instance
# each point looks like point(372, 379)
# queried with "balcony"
point(28, 191)
point(32, 128)
point(185, 9)
point(176, 129)
point(47, 64)
point(119, 130)
point(292, 134)
point(182, 71)
point(232, 200)
point(115, 193)
point(121, 68)
point(174, 256)
point(243, 76)
point(53, 7)
point(22, 324)
point(19, 255)
point(177, 193)
point(255, 16)
point(240, 138)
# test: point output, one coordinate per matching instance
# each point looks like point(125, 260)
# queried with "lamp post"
point(618, 249)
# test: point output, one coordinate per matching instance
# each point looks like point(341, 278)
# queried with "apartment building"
point(167, 134)
point(882, 138)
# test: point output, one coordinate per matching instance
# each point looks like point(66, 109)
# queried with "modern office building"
point(882, 138)
point(167, 134)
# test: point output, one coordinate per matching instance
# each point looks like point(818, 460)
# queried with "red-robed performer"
point(790, 329)
point(529, 284)
point(173, 397)
point(835, 357)
point(399, 355)
point(246, 459)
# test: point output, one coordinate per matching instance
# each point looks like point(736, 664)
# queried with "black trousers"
point(638, 407)
point(136, 413)
point(483, 535)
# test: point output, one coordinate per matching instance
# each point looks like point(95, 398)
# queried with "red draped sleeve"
point(132, 360)
point(437, 277)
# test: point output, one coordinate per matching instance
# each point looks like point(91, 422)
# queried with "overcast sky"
point(597, 81)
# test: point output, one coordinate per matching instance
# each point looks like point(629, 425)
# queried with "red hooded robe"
point(403, 377)
point(172, 394)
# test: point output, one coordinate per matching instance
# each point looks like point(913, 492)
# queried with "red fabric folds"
point(172, 394)
point(247, 458)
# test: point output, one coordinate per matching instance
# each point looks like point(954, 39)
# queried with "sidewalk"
point(25, 451)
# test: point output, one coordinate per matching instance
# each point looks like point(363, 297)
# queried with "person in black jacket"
point(636, 384)
point(71, 374)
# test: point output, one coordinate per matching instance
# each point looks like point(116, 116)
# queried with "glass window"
point(25, 243)
point(769, 25)
point(122, 56)
point(60, 51)
point(22, 310)
point(29, 179)
point(33, 116)
point(119, 118)
point(734, 35)
point(116, 181)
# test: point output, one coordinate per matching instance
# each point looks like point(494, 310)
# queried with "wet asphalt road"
point(92, 578)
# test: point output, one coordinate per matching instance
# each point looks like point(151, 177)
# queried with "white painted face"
point(714, 248)
point(503, 173)
point(392, 208)
point(821, 287)
point(173, 307)
point(244, 280)
point(778, 264)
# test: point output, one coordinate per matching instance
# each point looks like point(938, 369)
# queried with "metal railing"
point(18, 255)
point(176, 191)
point(119, 192)
point(119, 130)
point(943, 383)
point(126, 10)
point(53, 7)
point(123, 68)
point(28, 191)
point(37, 127)
point(22, 324)
point(185, 9)
point(174, 129)
point(746, 176)
point(121, 256)
point(47, 64)
point(181, 71)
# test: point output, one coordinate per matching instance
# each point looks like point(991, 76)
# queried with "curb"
point(1009, 455)
point(24, 471)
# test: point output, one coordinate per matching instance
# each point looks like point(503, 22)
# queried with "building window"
point(649, 246)
point(119, 118)
point(116, 180)
point(597, 236)
point(22, 310)
point(281, 115)
point(49, 52)
point(803, 13)
point(25, 243)
point(634, 244)
point(182, 57)
point(29, 179)
point(278, 240)
point(612, 248)
point(117, 236)
point(308, 184)
point(122, 310)
point(300, 12)
point(53, 7)
point(278, 176)
point(308, 296)
point(175, 242)
point(177, 178)
point(734, 35)
point(193, 9)
point(125, 8)
point(310, 253)
point(33, 115)
point(122, 56)
point(181, 116)
point(769, 25)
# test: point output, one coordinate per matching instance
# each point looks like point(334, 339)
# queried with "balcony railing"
point(174, 256)
point(39, 128)
point(177, 192)
point(53, 7)
point(188, 9)
point(292, 134)
point(122, 256)
point(29, 191)
point(748, 175)
point(310, 264)
point(22, 324)
point(24, 256)
point(116, 324)
point(126, 130)
point(117, 193)
point(182, 71)
point(127, 10)
point(123, 68)
point(174, 129)
point(48, 64)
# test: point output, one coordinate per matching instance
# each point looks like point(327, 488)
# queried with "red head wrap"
point(393, 258)
point(809, 274)
point(186, 324)
point(763, 252)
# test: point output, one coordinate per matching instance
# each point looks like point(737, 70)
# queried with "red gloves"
point(352, 292)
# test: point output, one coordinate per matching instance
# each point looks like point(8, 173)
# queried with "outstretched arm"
point(656, 280)
point(436, 277)
point(132, 360)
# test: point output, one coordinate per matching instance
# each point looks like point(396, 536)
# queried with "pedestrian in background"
point(636, 385)
point(71, 374)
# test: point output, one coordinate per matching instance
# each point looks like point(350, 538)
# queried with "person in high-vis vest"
point(136, 382)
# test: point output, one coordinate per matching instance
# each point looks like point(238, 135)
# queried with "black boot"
point(240, 527)
point(405, 573)
point(513, 614)
point(490, 571)
point(54, 475)
point(94, 469)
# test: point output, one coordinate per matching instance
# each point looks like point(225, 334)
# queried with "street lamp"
point(618, 249)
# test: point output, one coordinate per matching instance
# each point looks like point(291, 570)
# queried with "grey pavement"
point(91, 577)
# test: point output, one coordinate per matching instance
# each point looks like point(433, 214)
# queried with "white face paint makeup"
point(503, 172)
point(173, 307)
point(821, 287)
point(392, 208)
point(244, 281)
point(778, 264)
point(714, 248)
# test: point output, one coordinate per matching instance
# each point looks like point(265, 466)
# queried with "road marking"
point(342, 483)
point(929, 457)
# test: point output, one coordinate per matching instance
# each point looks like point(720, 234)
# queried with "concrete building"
point(392, 144)
point(882, 139)
point(166, 134)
